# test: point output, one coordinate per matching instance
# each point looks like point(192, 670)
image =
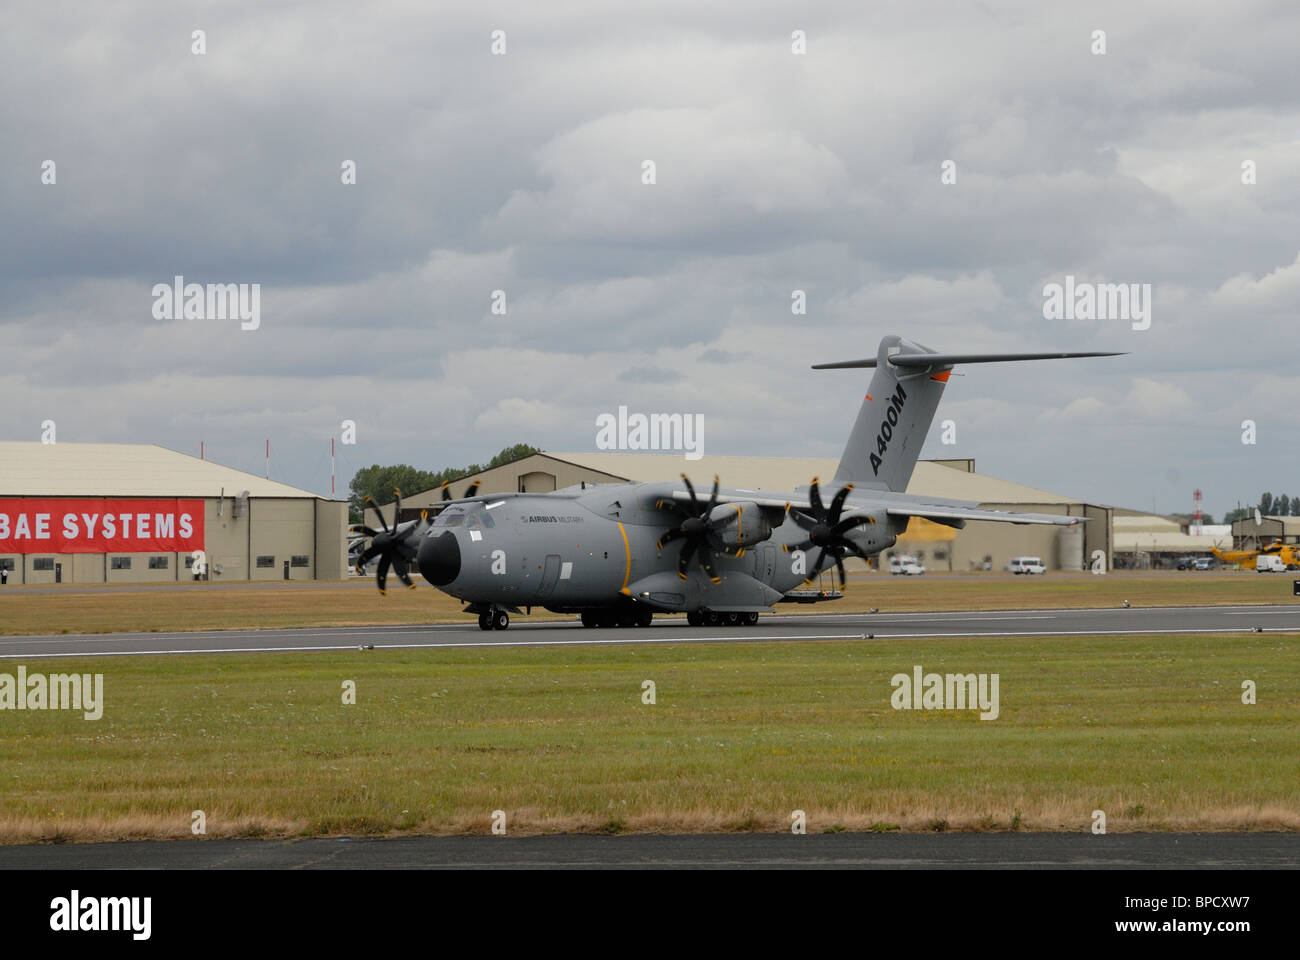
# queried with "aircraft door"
point(764, 563)
point(550, 576)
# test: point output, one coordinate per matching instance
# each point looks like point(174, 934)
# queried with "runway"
point(781, 628)
point(889, 851)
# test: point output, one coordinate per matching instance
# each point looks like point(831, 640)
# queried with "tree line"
point(1269, 506)
point(377, 481)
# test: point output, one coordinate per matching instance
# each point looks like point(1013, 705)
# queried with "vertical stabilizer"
point(894, 418)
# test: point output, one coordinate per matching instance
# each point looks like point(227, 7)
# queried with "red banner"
point(100, 526)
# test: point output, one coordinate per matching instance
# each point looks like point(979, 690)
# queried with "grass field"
point(168, 607)
point(1150, 730)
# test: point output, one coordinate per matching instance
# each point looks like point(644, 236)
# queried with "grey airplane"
point(618, 553)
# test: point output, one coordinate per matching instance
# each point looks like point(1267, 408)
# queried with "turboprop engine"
point(739, 525)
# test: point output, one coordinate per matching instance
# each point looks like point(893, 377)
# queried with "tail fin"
point(899, 407)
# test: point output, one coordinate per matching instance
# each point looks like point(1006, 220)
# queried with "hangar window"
point(7, 564)
point(119, 563)
point(42, 563)
point(300, 561)
point(266, 561)
point(157, 563)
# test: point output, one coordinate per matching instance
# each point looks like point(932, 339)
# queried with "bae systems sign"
point(101, 526)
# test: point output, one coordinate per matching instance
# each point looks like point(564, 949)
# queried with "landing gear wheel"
point(644, 617)
point(627, 618)
point(589, 618)
point(695, 618)
point(711, 619)
point(751, 619)
point(733, 619)
point(607, 618)
point(485, 620)
point(500, 620)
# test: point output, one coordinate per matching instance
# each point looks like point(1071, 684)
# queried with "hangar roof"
point(123, 470)
point(931, 478)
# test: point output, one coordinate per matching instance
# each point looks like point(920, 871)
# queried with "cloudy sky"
point(774, 171)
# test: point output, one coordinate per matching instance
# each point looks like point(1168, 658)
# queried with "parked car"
point(1206, 563)
point(1019, 565)
point(904, 565)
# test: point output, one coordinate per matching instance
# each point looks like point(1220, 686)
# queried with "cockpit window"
point(477, 517)
point(450, 518)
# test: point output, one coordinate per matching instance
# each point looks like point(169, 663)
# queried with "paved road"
point(780, 627)
point(843, 850)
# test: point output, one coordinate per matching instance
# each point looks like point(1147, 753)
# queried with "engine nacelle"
point(739, 525)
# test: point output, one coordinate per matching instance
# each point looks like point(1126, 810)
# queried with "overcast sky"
point(775, 172)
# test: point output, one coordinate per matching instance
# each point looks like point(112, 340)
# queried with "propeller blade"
point(713, 497)
point(670, 536)
point(706, 561)
point(446, 493)
point(472, 489)
point(397, 506)
point(399, 565)
point(366, 531)
point(802, 520)
point(690, 488)
point(371, 504)
point(854, 549)
point(837, 504)
point(370, 553)
point(684, 559)
point(821, 557)
point(839, 565)
point(381, 575)
point(848, 524)
point(815, 499)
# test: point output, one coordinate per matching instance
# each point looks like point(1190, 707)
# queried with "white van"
point(908, 566)
point(1269, 563)
point(1019, 565)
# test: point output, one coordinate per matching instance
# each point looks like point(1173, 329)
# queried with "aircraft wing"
point(956, 516)
point(953, 513)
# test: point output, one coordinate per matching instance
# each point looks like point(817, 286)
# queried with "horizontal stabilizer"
point(950, 359)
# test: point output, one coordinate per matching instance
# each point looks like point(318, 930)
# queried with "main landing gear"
point(707, 618)
point(494, 619)
point(619, 617)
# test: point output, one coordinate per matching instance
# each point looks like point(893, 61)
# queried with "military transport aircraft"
point(618, 553)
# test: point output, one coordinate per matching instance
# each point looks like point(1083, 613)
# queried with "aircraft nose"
point(439, 558)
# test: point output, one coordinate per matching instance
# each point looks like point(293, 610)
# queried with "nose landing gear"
point(493, 619)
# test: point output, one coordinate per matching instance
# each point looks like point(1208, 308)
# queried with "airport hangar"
point(940, 547)
point(127, 513)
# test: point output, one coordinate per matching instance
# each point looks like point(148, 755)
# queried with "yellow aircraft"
point(1289, 554)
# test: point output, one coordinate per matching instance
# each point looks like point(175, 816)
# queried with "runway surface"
point(893, 851)
point(773, 628)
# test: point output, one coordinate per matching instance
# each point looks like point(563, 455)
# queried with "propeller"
point(827, 530)
point(469, 492)
point(391, 547)
point(695, 529)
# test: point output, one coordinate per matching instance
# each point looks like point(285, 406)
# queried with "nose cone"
point(439, 558)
